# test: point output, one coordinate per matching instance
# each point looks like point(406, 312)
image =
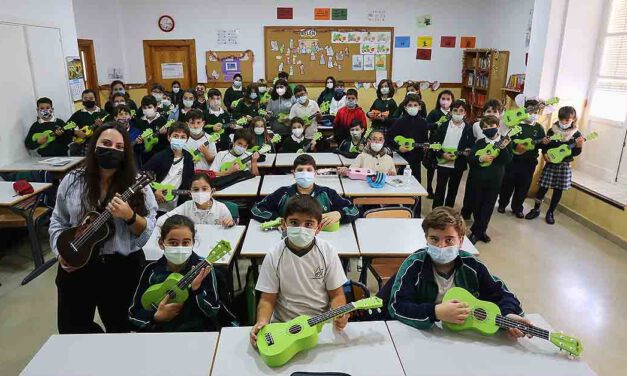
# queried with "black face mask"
point(490, 133)
point(109, 158)
point(89, 104)
point(339, 93)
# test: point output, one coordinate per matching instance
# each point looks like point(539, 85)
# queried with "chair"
point(384, 268)
point(233, 209)
point(355, 291)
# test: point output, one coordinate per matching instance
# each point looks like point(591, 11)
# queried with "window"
point(609, 94)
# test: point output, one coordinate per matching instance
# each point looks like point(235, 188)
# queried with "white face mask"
point(302, 99)
point(442, 255)
point(533, 118)
point(166, 103)
point(301, 236)
point(262, 89)
point(565, 125)
point(120, 91)
point(280, 91)
point(149, 112)
point(376, 147)
point(297, 132)
point(412, 111)
point(356, 134)
point(457, 118)
point(259, 131)
point(158, 96)
point(188, 103)
point(176, 90)
point(237, 84)
point(351, 103)
point(385, 90)
point(196, 131)
point(201, 197)
point(253, 95)
point(119, 104)
point(238, 150)
point(329, 85)
point(177, 255)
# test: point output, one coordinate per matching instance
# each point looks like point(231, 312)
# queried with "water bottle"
point(407, 175)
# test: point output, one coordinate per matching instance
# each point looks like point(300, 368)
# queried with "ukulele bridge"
point(269, 339)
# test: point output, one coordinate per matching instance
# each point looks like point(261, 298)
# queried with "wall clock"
point(166, 23)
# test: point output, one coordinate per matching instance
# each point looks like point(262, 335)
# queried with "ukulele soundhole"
point(479, 314)
point(295, 329)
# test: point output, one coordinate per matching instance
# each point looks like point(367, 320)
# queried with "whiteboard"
point(36, 69)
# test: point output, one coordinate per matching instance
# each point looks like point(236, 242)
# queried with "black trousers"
point(107, 283)
point(447, 178)
point(516, 183)
point(484, 198)
point(468, 205)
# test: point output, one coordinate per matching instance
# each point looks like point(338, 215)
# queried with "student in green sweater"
point(442, 108)
point(384, 106)
point(248, 106)
point(486, 180)
point(86, 120)
point(234, 92)
point(327, 94)
point(297, 141)
point(413, 88)
point(55, 143)
point(217, 120)
point(519, 174)
point(151, 119)
point(261, 134)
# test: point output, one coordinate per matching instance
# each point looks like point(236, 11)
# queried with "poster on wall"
point(448, 41)
point(468, 42)
point(228, 36)
point(284, 13)
point(322, 14)
point(230, 67)
point(76, 77)
point(377, 15)
point(339, 14)
point(424, 41)
point(358, 62)
point(171, 71)
point(402, 41)
point(380, 62)
point(423, 54)
point(369, 62)
point(339, 37)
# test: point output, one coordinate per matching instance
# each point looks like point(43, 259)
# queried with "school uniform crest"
point(318, 273)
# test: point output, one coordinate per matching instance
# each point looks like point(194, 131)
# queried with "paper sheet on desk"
point(56, 161)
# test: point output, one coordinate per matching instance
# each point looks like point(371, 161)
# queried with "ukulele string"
point(330, 314)
point(507, 322)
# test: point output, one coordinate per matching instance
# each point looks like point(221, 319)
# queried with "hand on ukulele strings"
point(139, 140)
point(579, 141)
point(448, 156)
point(255, 157)
point(505, 143)
point(330, 218)
point(340, 322)
point(517, 333)
point(163, 130)
point(167, 311)
point(119, 208)
point(249, 118)
point(520, 148)
point(253, 332)
point(403, 149)
point(486, 158)
point(80, 134)
point(42, 140)
point(217, 127)
point(233, 168)
point(159, 196)
point(98, 122)
point(452, 311)
point(546, 140)
point(59, 132)
point(318, 116)
point(200, 277)
point(67, 267)
point(227, 222)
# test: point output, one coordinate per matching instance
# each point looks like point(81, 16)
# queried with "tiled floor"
point(573, 277)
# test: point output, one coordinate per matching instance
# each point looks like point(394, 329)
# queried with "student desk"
point(398, 160)
point(257, 242)
point(362, 349)
point(269, 162)
point(26, 207)
point(154, 354)
point(438, 352)
point(387, 195)
point(206, 237)
point(273, 182)
point(34, 164)
point(392, 237)
point(246, 188)
point(322, 159)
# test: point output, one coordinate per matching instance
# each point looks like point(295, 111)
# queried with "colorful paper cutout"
point(448, 41)
point(402, 41)
point(322, 14)
point(284, 13)
point(423, 54)
point(358, 62)
point(423, 21)
point(339, 14)
point(424, 41)
point(380, 62)
point(468, 42)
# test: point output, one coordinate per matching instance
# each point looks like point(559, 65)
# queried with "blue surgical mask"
point(238, 150)
point(253, 95)
point(301, 236)
point(351, 103)
point(302, 99)
point(444, 255)
point(304, 179)
point(177, 144)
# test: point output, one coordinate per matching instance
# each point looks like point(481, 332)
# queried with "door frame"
point(92, 76)
point(148, 44)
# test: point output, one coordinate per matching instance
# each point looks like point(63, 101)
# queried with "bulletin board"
point(311, 53)
point(222, 65)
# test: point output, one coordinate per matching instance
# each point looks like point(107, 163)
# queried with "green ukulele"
point(169, 191)
point(176, 285)
point(275, 139)
point(410, 144)
point(485, 318)
point(279, 342)
point(241, 162)
point(514, 117)
point(530, 144)
point(495, 148)
point(558, 154)
point(307, 148)
point(150, 140)
point(197, 154)
point(325, 107)
point(51, 135)
point(454, 152)
point(271, 225)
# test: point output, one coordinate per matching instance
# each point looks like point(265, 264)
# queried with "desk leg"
point(363, 277)
point(417, 209)
point(345, 262)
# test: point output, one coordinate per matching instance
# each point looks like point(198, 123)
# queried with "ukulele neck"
point(330, 315)
point(189, 277)
point(507, 323)
point(106, 215)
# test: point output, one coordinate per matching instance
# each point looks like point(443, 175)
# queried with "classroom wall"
point(119, 27)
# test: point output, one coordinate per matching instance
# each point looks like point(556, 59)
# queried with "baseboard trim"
point(593, 226)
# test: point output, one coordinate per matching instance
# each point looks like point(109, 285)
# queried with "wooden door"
point(170, 60)
point(88, 59)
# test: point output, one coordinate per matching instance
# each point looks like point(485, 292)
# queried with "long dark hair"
point(288, 90)
point(123, 178)
point(444, 92)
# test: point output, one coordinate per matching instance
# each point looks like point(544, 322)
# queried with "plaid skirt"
point(556, 176)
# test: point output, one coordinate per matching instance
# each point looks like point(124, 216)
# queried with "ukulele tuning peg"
point(370, 312)
point(379, 310)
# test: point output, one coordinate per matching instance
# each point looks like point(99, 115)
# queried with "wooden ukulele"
point(76, 244)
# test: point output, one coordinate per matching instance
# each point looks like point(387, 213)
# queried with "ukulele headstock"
point(592, 136)
point(275, 139)
point(571, 345)
point(144, 178)
point(514, 117)
point(513, 131)
point(264, 149)
point(219, 250)
point(368, 303)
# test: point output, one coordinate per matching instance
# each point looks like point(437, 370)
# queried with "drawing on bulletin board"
point(314, 52)
point(75, 77)
point(221, 66)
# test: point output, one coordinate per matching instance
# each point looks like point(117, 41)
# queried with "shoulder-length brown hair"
point(123, 178)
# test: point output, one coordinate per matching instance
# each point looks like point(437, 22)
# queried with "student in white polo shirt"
point(301, 275)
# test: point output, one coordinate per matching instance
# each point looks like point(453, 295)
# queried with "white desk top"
point(393, 237)
point(207, 236)
point(246, 188)
point(438, 352)
point(359, 188)
point(322, 159)
point(362, 349)
point(273, 182)
point(8, 197)
point(33, 164)
point(257, 241)
point(269, 162)
point(398, 160)
point(162, 354)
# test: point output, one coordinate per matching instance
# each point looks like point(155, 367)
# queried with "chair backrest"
point(233, 208)
point(389, 212)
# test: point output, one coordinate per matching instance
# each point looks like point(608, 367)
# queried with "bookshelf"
point(484, 74)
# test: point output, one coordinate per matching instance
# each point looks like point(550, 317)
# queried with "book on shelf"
point(516, 82)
